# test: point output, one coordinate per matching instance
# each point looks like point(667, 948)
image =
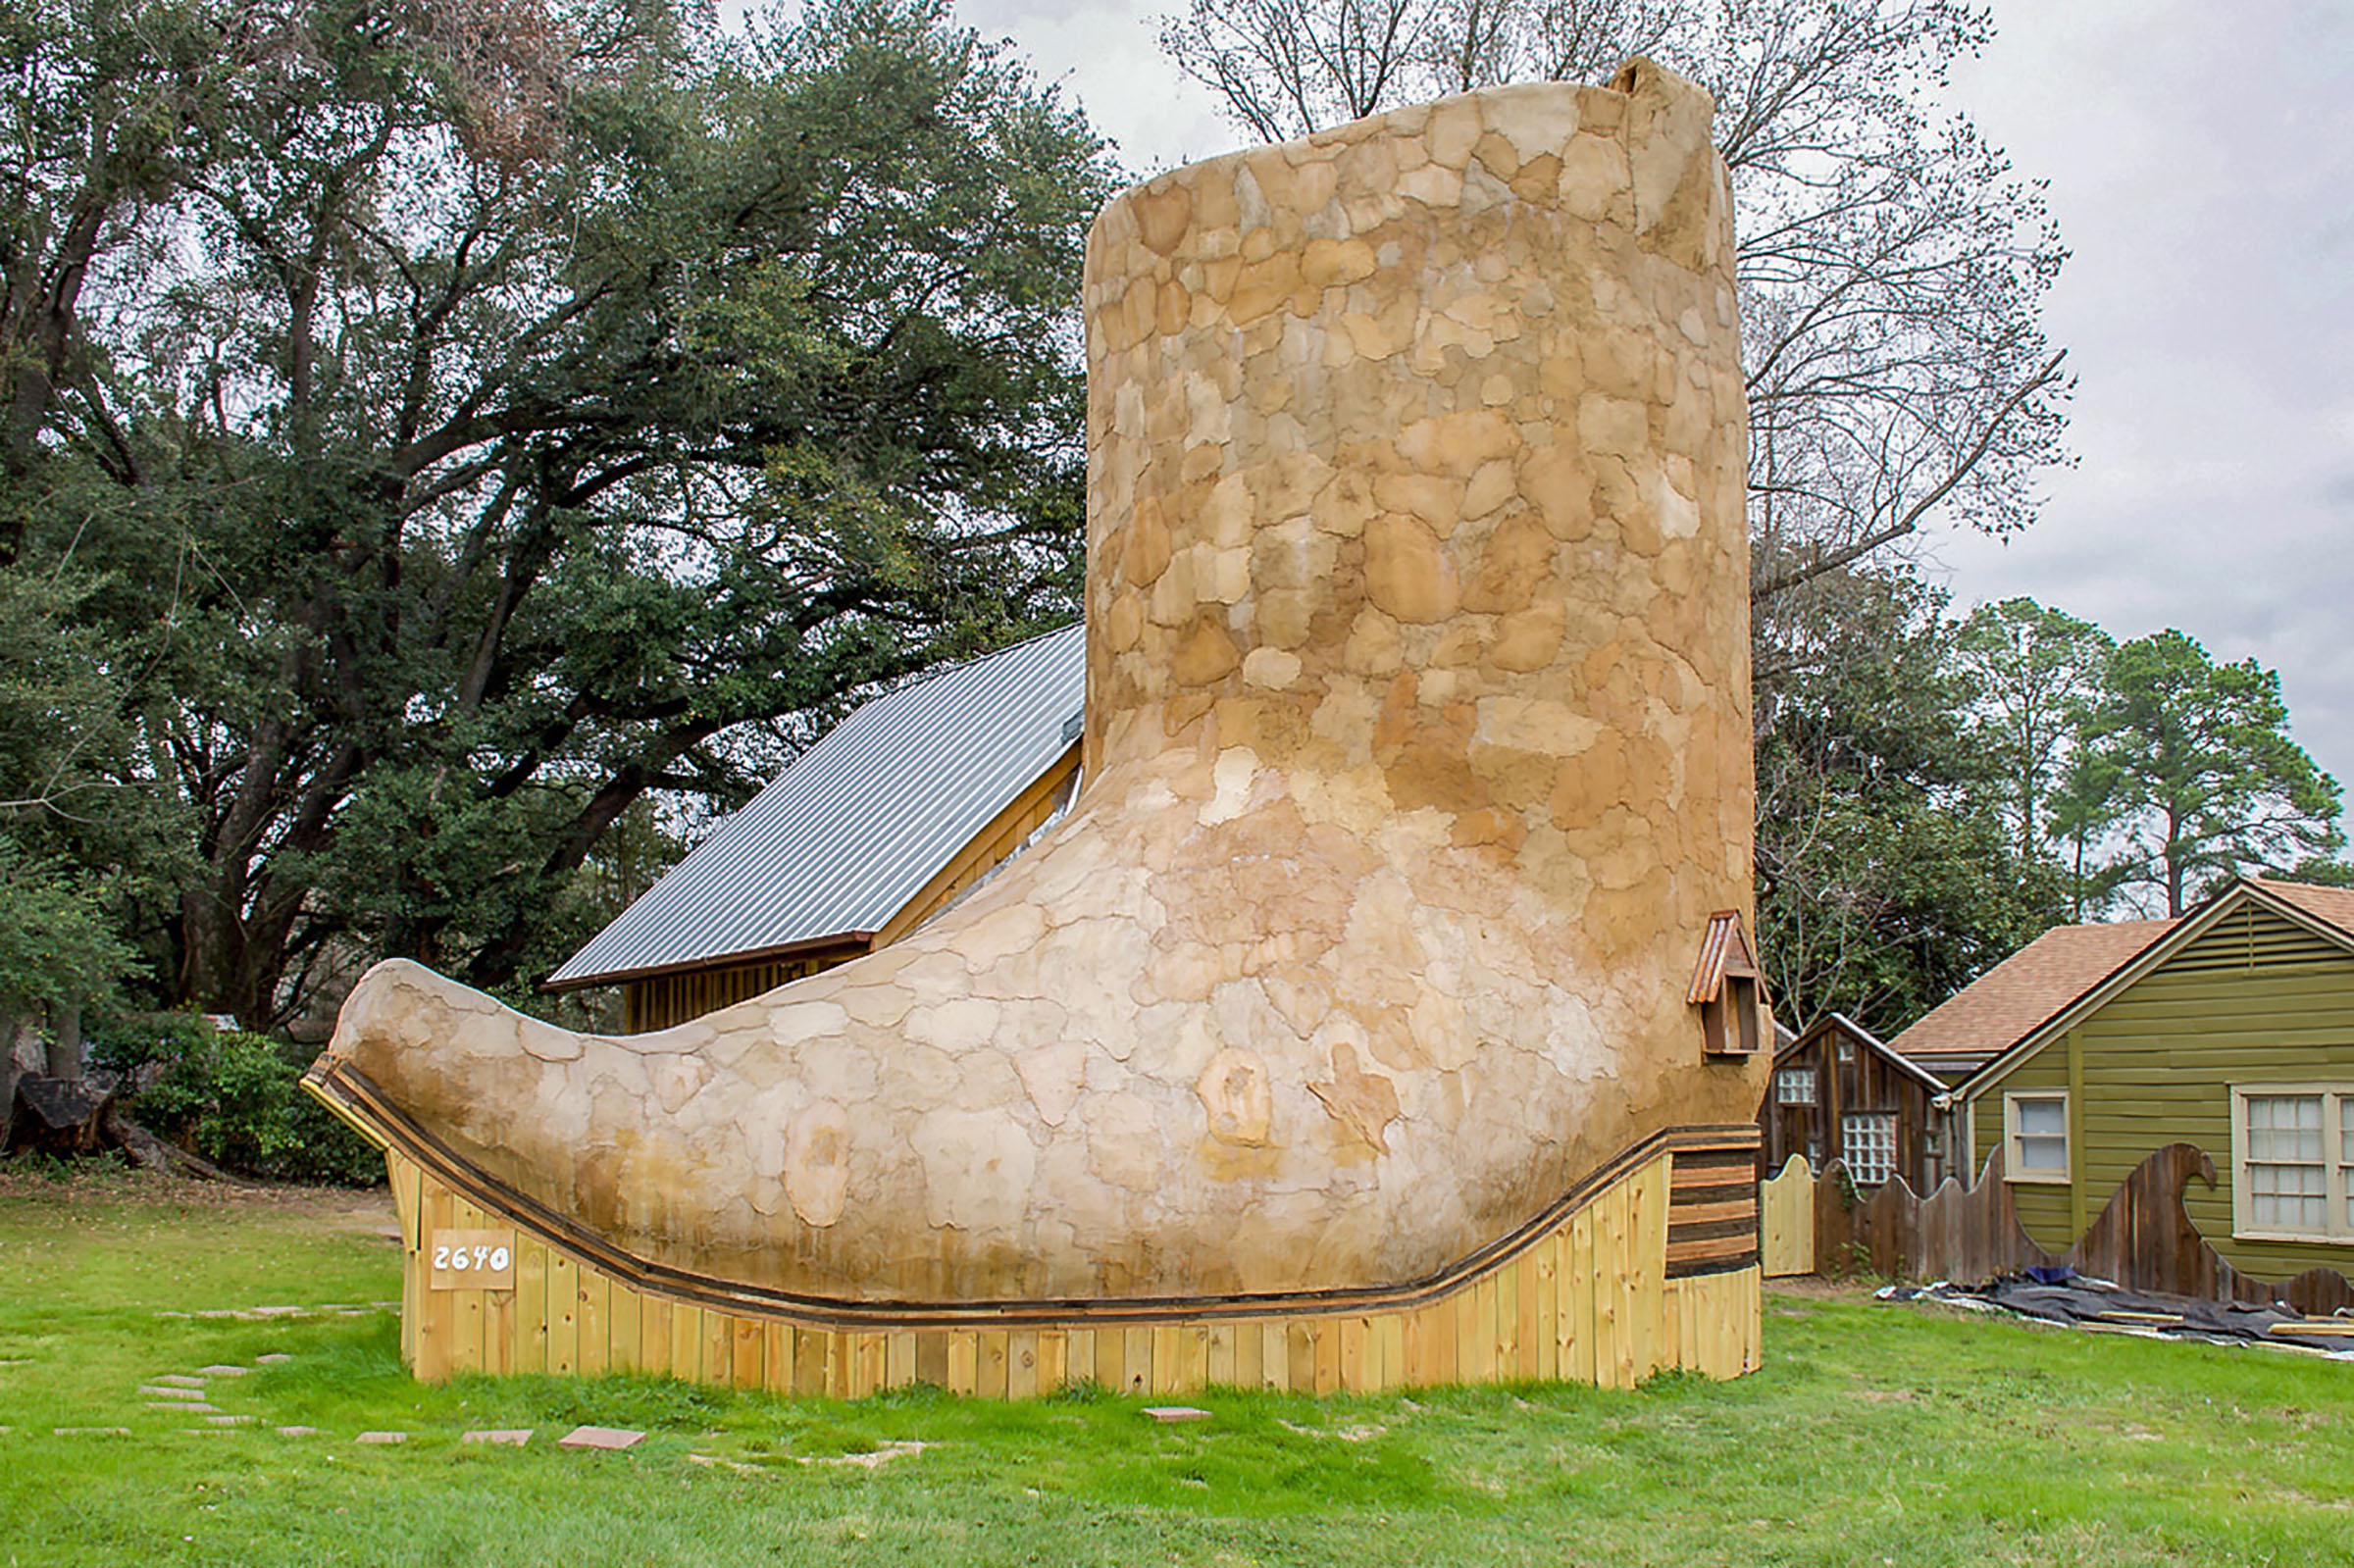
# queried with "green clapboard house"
point(2231, 1028)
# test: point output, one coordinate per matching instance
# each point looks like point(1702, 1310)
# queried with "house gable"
point(2253, 990)
point(2250, 935)
point(2250, 925)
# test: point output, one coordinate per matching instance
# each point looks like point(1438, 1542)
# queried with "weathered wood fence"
point(2143, 1238)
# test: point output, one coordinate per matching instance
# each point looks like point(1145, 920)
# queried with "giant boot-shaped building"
point(1418, 791)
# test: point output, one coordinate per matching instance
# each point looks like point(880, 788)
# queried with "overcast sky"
point(2201, 163)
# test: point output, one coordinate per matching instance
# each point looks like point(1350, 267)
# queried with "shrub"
point(237, 1100)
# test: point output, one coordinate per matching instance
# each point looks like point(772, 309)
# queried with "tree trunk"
point(60, 1116)
point(65, 1042)
point(151, 1153)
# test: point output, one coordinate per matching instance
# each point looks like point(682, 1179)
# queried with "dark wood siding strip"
point(1711, 1247)
point(1712, 1164)
point(1709, 1257)
point(1744, 1210)
point(1713, 1211)
point(1741, 1225)
point(1695, 1258)
point(1743, 1190)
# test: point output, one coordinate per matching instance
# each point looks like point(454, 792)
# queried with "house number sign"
point(470, 1260)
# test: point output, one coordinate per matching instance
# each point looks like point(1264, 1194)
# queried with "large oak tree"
point(473, 414)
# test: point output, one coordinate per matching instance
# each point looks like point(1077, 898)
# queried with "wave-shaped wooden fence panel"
point(2144, 1238)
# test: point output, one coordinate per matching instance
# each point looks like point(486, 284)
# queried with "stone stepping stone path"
point(265, 1314)
point(185, 1394)
point(874, 1458)
point(1170, 1413)
point(608, 1439)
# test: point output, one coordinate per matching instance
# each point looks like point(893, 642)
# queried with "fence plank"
point(1787, 1219)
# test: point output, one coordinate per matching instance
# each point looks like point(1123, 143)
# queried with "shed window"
point(1794, 1086)
point(2035, 1137)
point(1867, 1144)
point(2292, 1157)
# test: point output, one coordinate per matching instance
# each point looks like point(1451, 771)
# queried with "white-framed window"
point(2292, 1161)
point(2035, 1137)
point(1794, 1086)
point(1868, 1145)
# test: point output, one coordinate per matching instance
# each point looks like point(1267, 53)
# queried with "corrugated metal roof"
point(852, 829)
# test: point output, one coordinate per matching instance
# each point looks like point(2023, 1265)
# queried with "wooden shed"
point(2232, 1028)
point(899, 810)
point(1838, 1092)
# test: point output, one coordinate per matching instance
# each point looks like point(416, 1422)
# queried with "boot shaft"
point(1416, 457)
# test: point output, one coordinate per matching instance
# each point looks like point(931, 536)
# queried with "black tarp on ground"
point(2080, 1301)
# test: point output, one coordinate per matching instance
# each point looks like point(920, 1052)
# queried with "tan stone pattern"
point(1418, 759)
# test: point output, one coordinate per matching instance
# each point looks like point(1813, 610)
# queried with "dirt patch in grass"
point(316, 1210)
point(1808, 1287)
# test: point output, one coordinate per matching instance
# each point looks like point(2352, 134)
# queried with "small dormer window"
point(1724, 988)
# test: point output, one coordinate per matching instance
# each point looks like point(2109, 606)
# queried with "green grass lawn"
point(1875, 1434)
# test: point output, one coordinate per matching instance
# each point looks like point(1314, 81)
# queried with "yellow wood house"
point(2232, 1028)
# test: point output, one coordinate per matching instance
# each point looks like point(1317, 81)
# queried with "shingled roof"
point(2008, 1002)
point(2332, 905)
point(857, 825)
